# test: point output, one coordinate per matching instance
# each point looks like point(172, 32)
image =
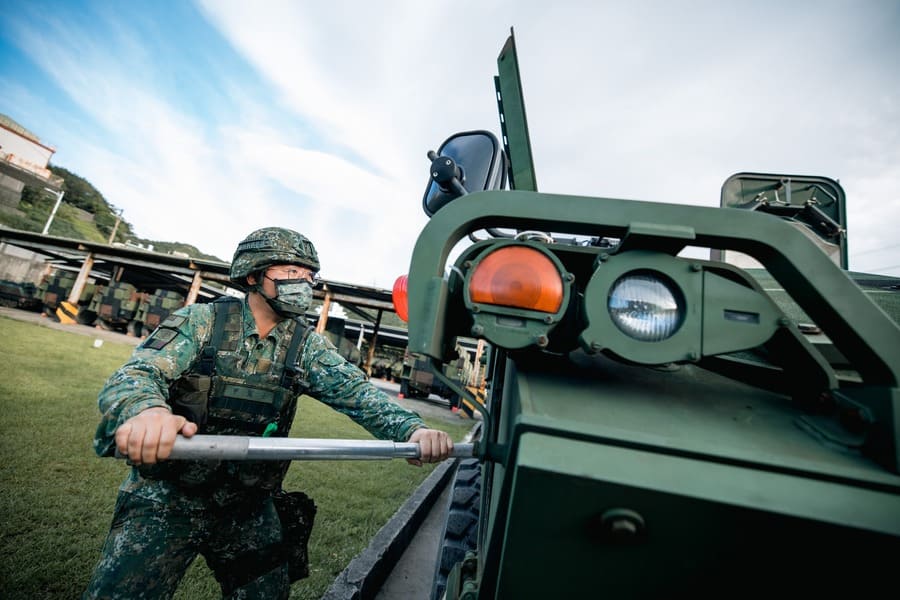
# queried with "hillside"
point(83, 215)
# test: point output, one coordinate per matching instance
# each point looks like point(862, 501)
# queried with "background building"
point(23, 161)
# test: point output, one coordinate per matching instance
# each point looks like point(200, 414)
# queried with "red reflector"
point(519, 277)
point(400, 298)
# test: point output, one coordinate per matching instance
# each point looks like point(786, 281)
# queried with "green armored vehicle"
point(334, 331)
point(418, 381)
point(116, 305)
point(55, 288)
point(15, 294)
point(153, 310)
point(125, 308)
point(658, 425)
point(385, 362)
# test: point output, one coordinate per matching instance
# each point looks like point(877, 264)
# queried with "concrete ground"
point(89, 330)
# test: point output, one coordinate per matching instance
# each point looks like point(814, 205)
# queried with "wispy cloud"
point(222, 117)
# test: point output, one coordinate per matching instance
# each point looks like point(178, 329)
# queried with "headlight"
point(519, 277)
point(516, 293)
point(645, 307)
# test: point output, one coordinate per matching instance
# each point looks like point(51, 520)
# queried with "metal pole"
point(112, 235)
point(323, 316)
point(59, 197)
point(235, 447)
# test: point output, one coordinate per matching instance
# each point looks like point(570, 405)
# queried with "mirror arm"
point(457, 187)
point(446, 173)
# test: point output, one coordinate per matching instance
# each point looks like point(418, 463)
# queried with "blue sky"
point(205, 120)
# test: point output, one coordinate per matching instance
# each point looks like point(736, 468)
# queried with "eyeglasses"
point(293, 272)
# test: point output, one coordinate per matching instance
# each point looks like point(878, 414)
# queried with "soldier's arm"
point(344, 387)
point(136, 419)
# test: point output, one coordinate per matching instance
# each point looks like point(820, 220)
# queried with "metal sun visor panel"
point(513, 121)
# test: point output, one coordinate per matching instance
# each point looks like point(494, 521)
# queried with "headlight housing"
point(651, 308)
point(516, 292)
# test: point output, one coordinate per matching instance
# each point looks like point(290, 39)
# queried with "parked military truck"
point(15, 294)
point(417, 379)
point(153, 310)
point(385, 361)
point(655, 425)
point(55, 287)
point(115, 306)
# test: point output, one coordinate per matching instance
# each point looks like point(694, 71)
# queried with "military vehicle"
point(657, 425)
point(125, 308)
point(14, 294)
point(334, 331)
point(385, 362)
point(115, 307)
point(418, 381)
point(654, 425)
point(153, 310)
point(54, 290)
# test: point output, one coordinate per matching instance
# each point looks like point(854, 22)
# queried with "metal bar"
point(235, 447)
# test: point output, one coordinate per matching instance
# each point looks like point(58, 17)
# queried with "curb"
point(367, 572)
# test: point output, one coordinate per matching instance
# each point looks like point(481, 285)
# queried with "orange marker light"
point(400, 297)
point(519, 277)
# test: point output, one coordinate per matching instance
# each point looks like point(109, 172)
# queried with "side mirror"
point(815, 205)
point(470, 161)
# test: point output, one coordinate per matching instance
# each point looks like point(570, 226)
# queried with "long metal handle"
point(236, 447)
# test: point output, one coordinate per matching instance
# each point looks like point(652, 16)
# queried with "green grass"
point(56, 496)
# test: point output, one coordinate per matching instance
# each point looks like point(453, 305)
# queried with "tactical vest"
point(222, 399)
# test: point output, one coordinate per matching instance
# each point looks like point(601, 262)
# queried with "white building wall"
point(11, 143)
point(25, 154)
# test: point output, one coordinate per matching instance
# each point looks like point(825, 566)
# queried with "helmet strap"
point(272, 302)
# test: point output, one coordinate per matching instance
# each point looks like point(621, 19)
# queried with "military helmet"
point(272, 246)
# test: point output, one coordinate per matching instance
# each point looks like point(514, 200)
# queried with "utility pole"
point(59, 196)
point(112, 235)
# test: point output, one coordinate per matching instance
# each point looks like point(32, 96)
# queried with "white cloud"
point(646, 100)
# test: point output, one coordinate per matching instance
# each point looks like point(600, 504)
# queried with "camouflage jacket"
point(143, 382)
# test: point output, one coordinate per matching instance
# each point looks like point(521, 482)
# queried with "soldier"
point(229, 367)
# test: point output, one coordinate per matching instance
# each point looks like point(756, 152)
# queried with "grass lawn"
point(57, 496)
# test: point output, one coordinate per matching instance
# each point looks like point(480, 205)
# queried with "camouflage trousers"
point(150, 546)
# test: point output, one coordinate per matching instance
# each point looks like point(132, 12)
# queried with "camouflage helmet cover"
point(272, 246)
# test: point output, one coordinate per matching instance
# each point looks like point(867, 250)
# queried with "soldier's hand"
point(149, 436)
point(434, 446)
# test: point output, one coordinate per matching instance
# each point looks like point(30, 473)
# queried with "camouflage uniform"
point(159, 526)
